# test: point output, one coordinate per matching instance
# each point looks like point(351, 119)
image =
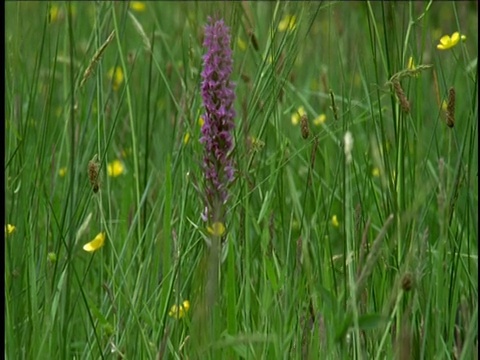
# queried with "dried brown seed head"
point(304, 126)
point(405, 105)
point(94, 173)
point(407, 281)
point(451, 108)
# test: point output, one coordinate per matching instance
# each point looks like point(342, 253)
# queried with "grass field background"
point(329, 252)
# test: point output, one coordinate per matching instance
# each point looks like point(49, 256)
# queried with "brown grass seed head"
point(451, 108)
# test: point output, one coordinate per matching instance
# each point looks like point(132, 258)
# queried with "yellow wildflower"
point(242, 45)
point(376, 172)
point(296, 116)
point(115, 168)
point(55, 14)
point(447, 42)
point(217, 229)
point(186, 138)
point(9, 229)
point(320, 119)
point(116, 76)
point(96, 243)
point(179, 311)
point(62, 171)
point(51, 257)
point(289, 22)
point(138, 6)
point(444, 105)
point(335, 221)
point(201, 121)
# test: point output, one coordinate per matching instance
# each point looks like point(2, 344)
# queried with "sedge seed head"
point(407, 281)
point(450, 113)
point(404, 104)
point(304, 126)
point(93, 173)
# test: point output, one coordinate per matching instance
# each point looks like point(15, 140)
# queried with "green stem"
point(136, 173)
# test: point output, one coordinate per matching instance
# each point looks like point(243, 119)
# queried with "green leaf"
point(371, 321)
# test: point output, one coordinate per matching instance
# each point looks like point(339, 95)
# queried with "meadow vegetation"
point(351, 225)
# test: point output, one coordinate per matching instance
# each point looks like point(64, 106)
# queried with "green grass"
point(393, 276)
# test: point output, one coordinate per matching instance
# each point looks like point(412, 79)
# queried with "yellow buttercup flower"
point(335, 221)
point(186, 138)
point(51, 257)
point(444, 105)
point(297, 115)
point(376, 172)
point(137, 6)
point(9, 229)
point(447, 42)
point(201, 121)
point(289, 22)
point(242, 45)
point(320, 119)
point(115, 168)
point(62, 171)
point(55, 14)
point(116, 76)
point(179, 311)
point(96, 243)
point(217, 229)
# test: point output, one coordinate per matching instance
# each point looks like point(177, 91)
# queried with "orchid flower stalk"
point(218, 97)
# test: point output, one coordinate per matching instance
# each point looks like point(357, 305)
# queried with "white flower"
point(348, 142)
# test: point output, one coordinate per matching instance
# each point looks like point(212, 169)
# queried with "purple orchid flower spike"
point(218, 98)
